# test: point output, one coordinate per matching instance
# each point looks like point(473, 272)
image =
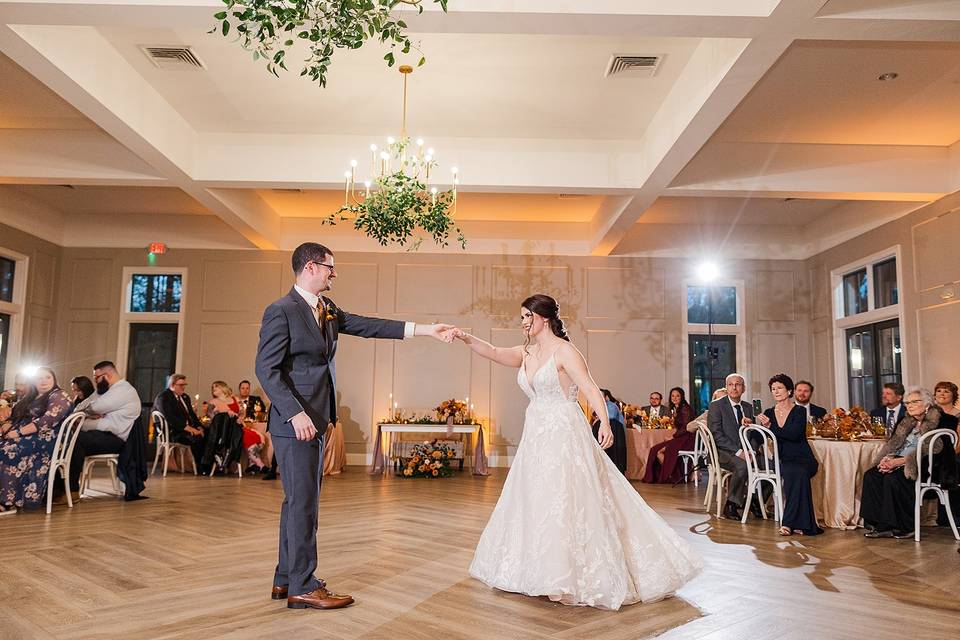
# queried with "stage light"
point(30, 370)
point(708, 271)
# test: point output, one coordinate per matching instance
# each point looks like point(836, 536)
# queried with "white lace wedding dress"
point(568, 524)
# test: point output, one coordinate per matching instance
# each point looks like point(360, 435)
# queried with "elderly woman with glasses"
point(887, 502)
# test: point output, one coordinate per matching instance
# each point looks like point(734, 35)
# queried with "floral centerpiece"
point(451, 410)
point(429, 460)
point(841, 424)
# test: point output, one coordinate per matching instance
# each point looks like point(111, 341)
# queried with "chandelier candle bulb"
point(433, 195)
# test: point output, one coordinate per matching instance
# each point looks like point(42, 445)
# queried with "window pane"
point(155, 293)
point(855, 292)
point(712, 305)
point(885, 289)
point(4, 341)
point(7, 269)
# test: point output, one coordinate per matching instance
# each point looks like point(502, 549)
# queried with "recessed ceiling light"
point(890, 75)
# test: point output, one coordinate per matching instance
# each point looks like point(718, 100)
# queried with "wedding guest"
point(27, 443)
point(182, 421)
point(613, 406)
point(802, 395)
point(617, 452)
point(10, 397)
point(224, 402)
point(887, 501)
point(251, 404)
point(725, 418)
point(111, 412)
point(945, 395)
point(81, 388)
point(682, 440)
point(655, 409)
point(892, 409)
point(788, 422)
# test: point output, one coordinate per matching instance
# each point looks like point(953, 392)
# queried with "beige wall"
point(929, 292)
point(42, 294)
point(626, 314)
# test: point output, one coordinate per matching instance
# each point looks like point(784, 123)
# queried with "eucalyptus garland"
point(269, 28)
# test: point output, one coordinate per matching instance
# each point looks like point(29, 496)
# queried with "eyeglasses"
point(913, 402)
point(323, 264)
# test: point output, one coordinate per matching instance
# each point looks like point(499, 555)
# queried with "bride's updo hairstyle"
point(548, 309)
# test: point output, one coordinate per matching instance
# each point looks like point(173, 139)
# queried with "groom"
point(295, 365)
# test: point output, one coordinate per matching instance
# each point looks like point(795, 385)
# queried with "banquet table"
point(836, 487)
point(384, 440)
point(639, 443)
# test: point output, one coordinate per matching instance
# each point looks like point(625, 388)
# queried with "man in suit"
point(802, 394)
point(725, 417)
point(892, 410)
point(295, 366)
point(655, 409)
point(251, 402)
point(182, 421)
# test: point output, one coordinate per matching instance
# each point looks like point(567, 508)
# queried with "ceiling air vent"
point(633, 66)
point(172, 57)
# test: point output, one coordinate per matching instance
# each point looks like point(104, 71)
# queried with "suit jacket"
point(177, 420)
point(664, 410)
point(723, 423)
point(815, 412)
point(295, 359)
point(881, 412)
point(252, 401)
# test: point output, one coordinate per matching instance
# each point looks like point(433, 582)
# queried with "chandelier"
point(401, 201)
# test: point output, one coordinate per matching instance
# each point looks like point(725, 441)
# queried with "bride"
point(568, 525)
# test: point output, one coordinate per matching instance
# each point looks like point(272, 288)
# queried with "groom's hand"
point(303, 426)
point(441, 332)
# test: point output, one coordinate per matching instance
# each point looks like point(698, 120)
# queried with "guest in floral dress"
point(28, 441)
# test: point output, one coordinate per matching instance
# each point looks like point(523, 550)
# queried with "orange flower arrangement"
point(429, 460)
point(452, 408)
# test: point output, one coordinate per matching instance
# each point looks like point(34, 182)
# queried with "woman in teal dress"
point(27, 443)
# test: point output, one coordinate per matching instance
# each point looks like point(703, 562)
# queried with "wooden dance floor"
point(196, 561)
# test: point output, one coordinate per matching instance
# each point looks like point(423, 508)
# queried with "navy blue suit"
point(295, 366)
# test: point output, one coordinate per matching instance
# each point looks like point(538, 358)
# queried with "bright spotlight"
point(708, 271)
point(30, 370)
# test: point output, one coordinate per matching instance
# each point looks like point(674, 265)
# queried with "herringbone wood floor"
point(196, 560)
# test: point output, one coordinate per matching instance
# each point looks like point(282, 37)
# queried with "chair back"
point(769, 446)
point(67, 437)
point(699, 448)
point(160, 429)
point(709, 445)
point(925, 448)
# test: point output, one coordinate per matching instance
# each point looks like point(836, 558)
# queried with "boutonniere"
point(329, 310)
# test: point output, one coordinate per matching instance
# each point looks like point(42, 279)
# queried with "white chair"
point(717, 477)
point(693, 457)
point(758, 474)
point(928, 440)
point(60, 460)
point(109, 459)
point(165, 447)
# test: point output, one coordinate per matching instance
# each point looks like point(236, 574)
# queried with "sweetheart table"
point(383, 443)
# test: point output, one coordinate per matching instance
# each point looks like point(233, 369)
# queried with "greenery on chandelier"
point(270, 28)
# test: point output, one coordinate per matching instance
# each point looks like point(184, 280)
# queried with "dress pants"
point(91, 443)
point(197, 444)
point(300, 473)
point(737, 493)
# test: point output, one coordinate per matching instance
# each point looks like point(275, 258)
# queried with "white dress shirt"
point(655, 410)
point(314, 300)
point(119, 406)
point(806, 407)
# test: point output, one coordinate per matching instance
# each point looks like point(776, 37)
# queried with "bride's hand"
point(605, 436)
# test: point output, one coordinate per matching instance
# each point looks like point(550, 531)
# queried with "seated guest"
point(887, 501)
point(251, 405)
point(945, 395)
point(224, 402)
point(788, 422)
point(655, 409)
point(724, 419)
point(10, 397)
point(892, 409)
point(182, 421)
point(683, 440)
point(617, 452)
point(81, 387)
point(27, 443)
point(802, 395)
point(111, 412)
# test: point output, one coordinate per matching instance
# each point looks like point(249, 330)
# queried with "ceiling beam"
point(78, 64)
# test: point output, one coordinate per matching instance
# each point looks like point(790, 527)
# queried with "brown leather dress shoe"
point(278, 593)
point(319, 599)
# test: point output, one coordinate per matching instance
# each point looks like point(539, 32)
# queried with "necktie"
point(321, 314)
point(183, 405)
point(891, 419)
point(739, 413)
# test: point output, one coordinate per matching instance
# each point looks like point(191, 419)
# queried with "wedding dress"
point(568, 524)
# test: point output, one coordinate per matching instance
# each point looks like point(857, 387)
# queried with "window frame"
point(738, 330)
point(156, 317)
point(16, 310)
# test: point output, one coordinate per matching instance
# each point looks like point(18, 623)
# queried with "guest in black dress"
point(788, 422)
